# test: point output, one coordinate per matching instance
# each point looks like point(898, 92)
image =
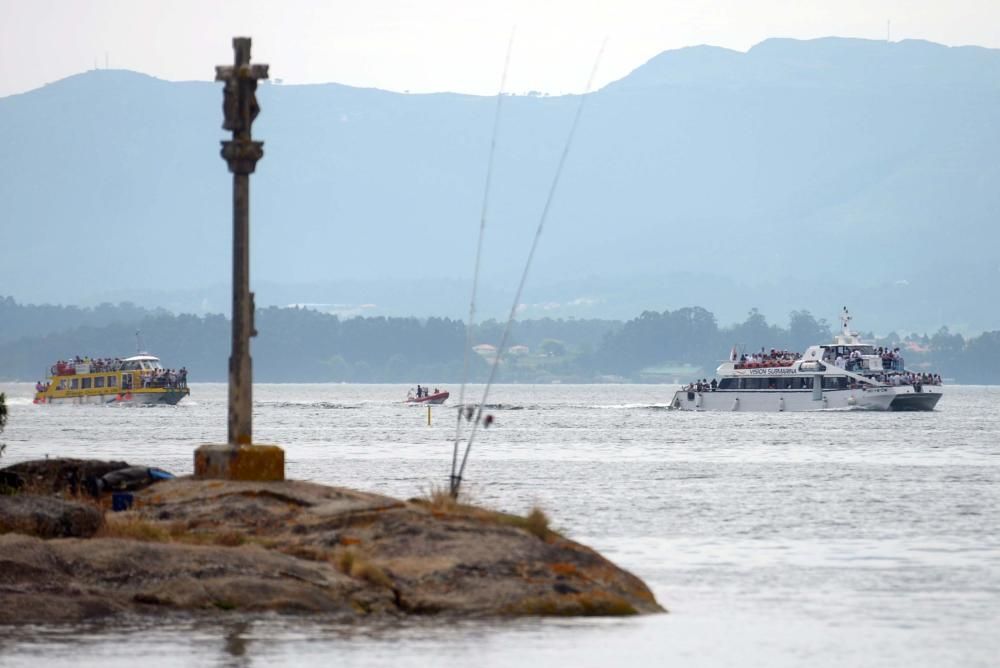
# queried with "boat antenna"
point(456, 478)
point(479, 252)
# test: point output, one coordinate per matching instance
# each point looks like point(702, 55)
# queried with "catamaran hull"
point(903, 398)
point(168, 397)
point(917, 401)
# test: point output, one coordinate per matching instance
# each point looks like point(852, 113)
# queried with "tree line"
point(304, 345)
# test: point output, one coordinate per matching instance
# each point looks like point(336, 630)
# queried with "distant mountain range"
point(801, 174)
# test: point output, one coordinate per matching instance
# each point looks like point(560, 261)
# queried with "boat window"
point(99, 381)
point(112, 381)
point(805, 383)
point(835, 382)
point(787, 383)
point(729, 383)
point(812, 366)
point(84, 383)
point(74, 384)
point(62, 384)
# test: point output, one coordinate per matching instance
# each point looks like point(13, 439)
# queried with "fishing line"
point(456, 479)
point(479, 253)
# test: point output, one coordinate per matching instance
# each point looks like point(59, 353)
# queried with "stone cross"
point(239, 458)
point(240, 108)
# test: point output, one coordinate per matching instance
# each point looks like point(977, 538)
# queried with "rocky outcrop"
point(57, 476)
point(73, 580)
point(49, 517)
point(212, 545)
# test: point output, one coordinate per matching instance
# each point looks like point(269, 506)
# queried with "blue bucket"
point(122, 501)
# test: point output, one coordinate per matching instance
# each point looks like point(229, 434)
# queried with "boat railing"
point(765, 364)
point(906, 379)
point(81, 368)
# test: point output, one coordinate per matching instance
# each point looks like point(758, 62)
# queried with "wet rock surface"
point(292, 546)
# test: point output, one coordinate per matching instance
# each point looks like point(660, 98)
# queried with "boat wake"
point(552, 407)
point(18, 401)
point(634, 407)
point(323, 405)
point(503, 407)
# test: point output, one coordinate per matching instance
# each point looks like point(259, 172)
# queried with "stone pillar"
point(239, 458)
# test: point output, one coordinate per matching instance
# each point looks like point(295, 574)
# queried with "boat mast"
point(845, 323)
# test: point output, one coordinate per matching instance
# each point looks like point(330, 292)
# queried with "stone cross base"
point(239, 462)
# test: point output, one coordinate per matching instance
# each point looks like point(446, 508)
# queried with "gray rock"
point(77, 580)
point(62, 475)
point(48, 517)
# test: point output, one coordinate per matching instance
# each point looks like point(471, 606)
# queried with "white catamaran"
point(847, 373)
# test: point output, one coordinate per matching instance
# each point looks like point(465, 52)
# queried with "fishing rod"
point(479, 253)
point(456, 478)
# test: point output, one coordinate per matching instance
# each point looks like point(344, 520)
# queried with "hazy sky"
point(433, 45)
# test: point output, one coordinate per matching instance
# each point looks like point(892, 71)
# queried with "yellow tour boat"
point(139, 379)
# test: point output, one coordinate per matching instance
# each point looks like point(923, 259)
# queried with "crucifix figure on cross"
point(240, 108)
point(239, 103)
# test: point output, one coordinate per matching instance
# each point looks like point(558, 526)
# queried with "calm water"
point(824, 539)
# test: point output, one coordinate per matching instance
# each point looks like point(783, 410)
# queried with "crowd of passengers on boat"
point(97, 365)
point(909, 378)
point(767, 359)
point(165, 378)
point(892, 359)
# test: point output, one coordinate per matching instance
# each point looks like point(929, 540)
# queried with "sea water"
point(784, 539)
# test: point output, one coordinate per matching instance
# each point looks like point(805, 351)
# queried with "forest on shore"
point(302, 345)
